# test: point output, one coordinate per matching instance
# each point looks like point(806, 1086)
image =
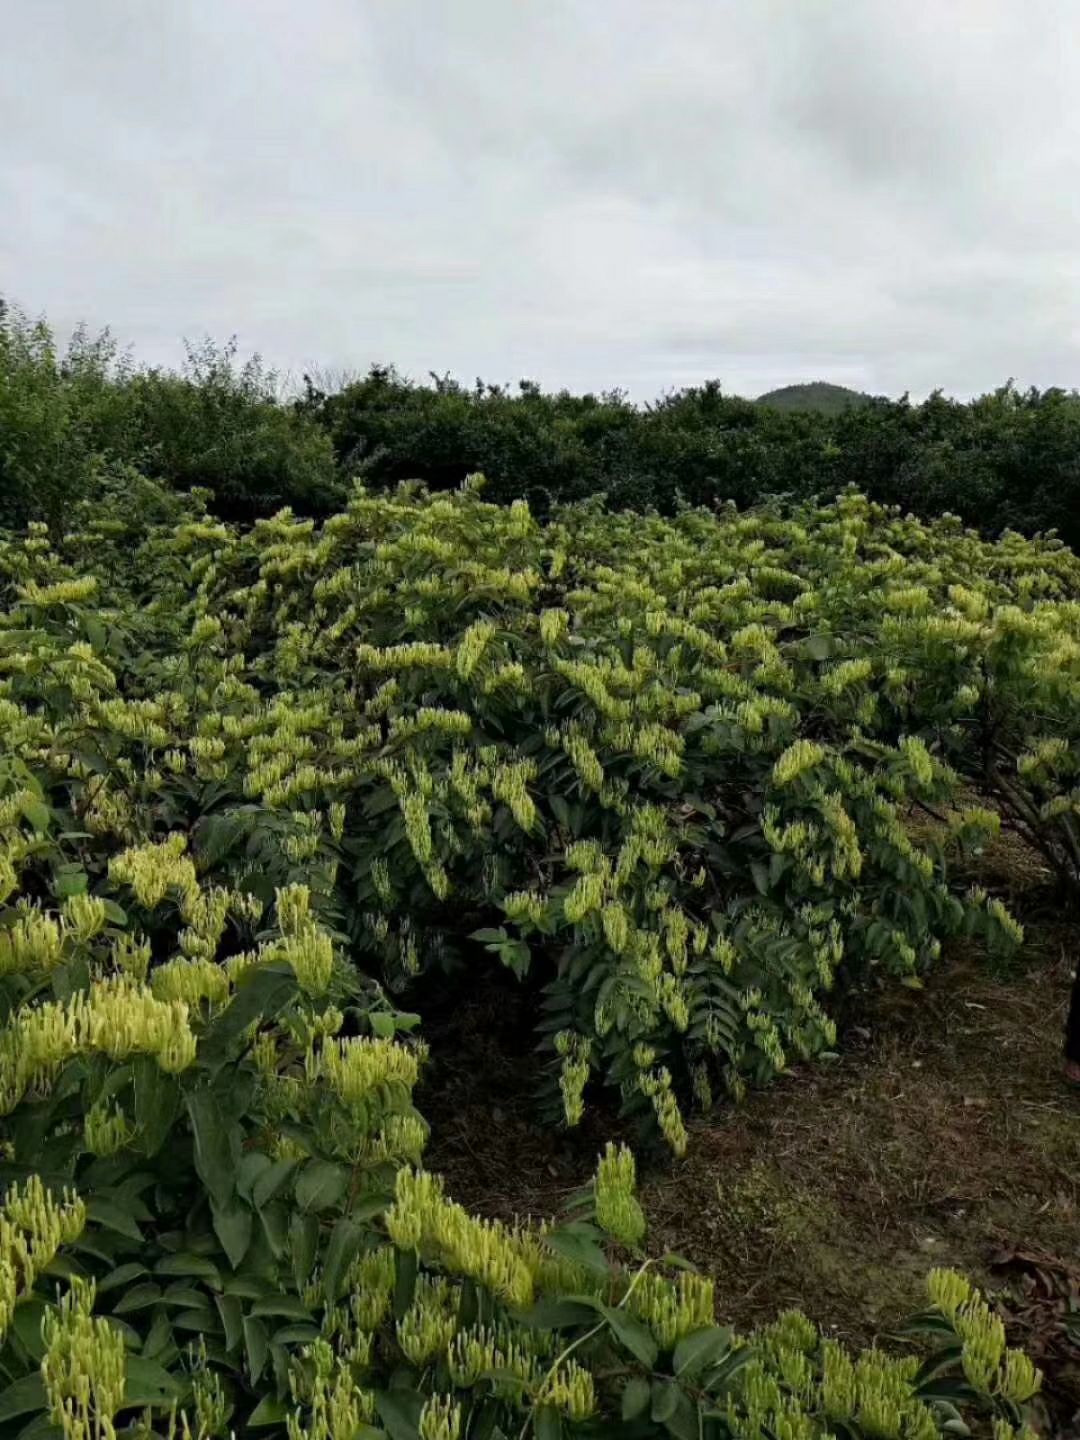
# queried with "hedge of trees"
point(83, 418)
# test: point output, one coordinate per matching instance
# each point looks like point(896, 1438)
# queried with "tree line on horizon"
point(86, 418)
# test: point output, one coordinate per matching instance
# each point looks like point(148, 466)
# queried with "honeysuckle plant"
point(661, 767)
point(217, 1222)
point(255, 783)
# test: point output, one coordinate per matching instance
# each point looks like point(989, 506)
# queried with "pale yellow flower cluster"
point(115, 1017)
point(617, 1208)
point(421, 1218)
point(84, 1368)
point(989, 1365)
point(34, 1224)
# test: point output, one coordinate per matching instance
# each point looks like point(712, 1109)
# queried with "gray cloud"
point(587, 194)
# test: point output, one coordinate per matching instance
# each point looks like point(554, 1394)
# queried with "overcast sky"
point(591, 193)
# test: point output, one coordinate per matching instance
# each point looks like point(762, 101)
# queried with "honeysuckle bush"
point(255, 784)
point(223, 1228)
point(662, 768)
point(216, 1221)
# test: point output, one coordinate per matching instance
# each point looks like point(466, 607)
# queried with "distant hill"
point(819, 395)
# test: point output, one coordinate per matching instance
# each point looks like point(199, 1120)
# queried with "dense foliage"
point(1009, 459)
point(84, 422)
point(74, 421)
point(259, 786)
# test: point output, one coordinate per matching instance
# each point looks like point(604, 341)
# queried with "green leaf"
point(137, 1299)
point(700, 1349)
point(27, 1326)
point(399, 1410)
point(489, 936)
point(275, 1228)
point(289, 1306)
point(186, 1297)
point(232, 1225)
point(132, 1337)
point(157, 1102)
point(957, 1389)
point(635, 1398)
point(303, 1245)
point(684, 1422)
point(70, 880)
point(148, 1383)
point(778, 864)
point(321, 1185)
point(665, 1399)
point(516, 956)
point(257, 1345)
point(281, 1362)
point(262, 994)
point(215, 1159)
point(202, 1321)
point(551, 1314)
point(631, 1332)
point(35, 811)
point(579, 1248)
point(406, 1266)
point(232, 1317)
point(123, 1276)
point(40, 1428)
point(269, 1411)
point(382, 1024)
point(63, 1267)
point(679, 1262)
point(22, 1397)
point(344, 1246)
point(955, 1426)
point(234, 1090)
point(95, 630)
point(247, 1287)
point(113, 1217)
point(188, 1264)
point(928, 1322)
point(372, 1205)
point(270, 1182)
point(941, 1361)
point(717, 1379)
point(159, 1337)
point(561, 810)
point(91, 1243)
point(253, 1164)
point(548, 1423)
point(295, 1334)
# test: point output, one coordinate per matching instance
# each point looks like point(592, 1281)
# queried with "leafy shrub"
point(56, 415)
point(223, 426)
point(466, 731)
point(225, 1185)
point(73, 422)
point(252, 782)
point(249, 1247)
